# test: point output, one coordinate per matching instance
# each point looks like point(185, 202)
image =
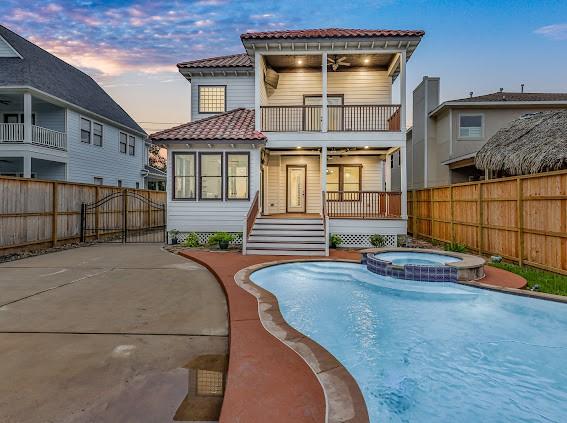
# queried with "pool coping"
point(343, 397)
point(468, 261)
point(515, 291)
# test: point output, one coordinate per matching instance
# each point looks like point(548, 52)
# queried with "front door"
point(296, 186)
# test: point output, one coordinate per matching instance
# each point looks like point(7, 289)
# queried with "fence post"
point(54, 203)
point(414, 198)
point(452, 215)
point(520, 220)
point(82, 225)
point(480, 219)
point(124, 215)
point(97, 212)
point(431, 213)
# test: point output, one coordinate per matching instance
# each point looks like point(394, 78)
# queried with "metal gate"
point(124, 216)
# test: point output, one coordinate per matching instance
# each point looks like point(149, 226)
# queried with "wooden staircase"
point(287, 237)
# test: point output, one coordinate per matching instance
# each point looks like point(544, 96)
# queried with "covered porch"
point(340, 183)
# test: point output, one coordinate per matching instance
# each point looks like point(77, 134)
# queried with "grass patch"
point(551, 283)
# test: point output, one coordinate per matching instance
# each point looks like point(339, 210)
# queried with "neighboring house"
point(57, 123)
point(534, 143)
point(445, 137)
point(154, 178)
point(298, 127)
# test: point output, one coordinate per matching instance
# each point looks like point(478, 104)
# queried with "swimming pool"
point(402, 258)
point(430, 352)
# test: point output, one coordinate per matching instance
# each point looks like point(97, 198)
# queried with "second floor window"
point(212, 98)
point(97, 134)
point(131, 145)
point(123, 142)
point(85, 131)
point(470, 126)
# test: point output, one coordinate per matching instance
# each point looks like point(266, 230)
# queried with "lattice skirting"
point(363, 240)
point(204, 237)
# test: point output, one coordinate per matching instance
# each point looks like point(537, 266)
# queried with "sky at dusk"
point(131, 47)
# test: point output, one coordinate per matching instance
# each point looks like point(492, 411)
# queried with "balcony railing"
point(14, 133)
point(348, 118)
point(363, 204)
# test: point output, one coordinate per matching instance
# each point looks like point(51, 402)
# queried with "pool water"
point(431, 352)
point(401, 258)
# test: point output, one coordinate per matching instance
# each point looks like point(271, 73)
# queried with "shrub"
point(222, 239)
point(456, 247)
point(192, 240)
point(378, 240)
point(335, 240)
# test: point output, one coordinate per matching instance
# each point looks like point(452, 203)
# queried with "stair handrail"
point(249, 222)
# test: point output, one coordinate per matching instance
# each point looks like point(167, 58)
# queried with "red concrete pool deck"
point(267, 381)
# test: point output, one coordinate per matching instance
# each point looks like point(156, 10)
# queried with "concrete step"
point(280, 227)
point(285, 246)
point(286, 232)
point(258, 252)
point(283, 238)
point(264, 220)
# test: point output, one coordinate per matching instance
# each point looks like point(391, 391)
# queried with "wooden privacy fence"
point(523, 219)
point(37, 213)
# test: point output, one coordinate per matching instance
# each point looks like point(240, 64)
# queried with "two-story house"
point(288, 141)
point(445, 137)
point(57, 123)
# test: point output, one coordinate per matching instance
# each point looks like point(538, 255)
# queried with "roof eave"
point(207, 141)
point(472, 104)
point(192, 72)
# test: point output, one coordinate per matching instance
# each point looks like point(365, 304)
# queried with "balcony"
point(341, 118)
point(14, 133)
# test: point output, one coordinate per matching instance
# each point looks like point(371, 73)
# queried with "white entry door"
point(296, 185)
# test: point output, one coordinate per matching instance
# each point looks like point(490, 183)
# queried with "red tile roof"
point(331, 33)
point(507, 96)
point(241, 60)
point(235, 125)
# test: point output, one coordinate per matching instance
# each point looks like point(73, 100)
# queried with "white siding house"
point(314, 111)
point(57, 123)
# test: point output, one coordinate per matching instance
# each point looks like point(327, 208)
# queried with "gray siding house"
point(445, 137)
point(57, 123)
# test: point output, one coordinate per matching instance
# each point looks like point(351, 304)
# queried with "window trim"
point(219, 153)
point(482, 125)
point(93, 123)
point(90, 130)
point(199, 98)
point(129, 137)
point(101, 180)
point(226, 177)
point(341, 167)
point(173, 176)
point(120, 143)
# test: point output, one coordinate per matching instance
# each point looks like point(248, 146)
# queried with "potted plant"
point(378, 240)
point(173, 236)
point(335, 241)
point(223, 239)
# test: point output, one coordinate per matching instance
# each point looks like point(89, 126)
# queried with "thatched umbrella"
point(531, 144)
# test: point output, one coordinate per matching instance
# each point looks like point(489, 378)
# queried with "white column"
point(27, 118)
point(388, 172)
point(323, 164)
point(324, 101)
point(258, 71)
point(403, 91)
point(404, 182)
point(27, 165)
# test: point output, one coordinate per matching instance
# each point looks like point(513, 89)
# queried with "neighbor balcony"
point(14, 133)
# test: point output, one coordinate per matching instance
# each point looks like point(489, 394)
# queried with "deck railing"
point(347, 118)
point(249, 223)
point(363, 204)
point(15, 133)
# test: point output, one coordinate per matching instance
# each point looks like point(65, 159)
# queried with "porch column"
point(404, 182)
point(388, 172)
point(323, 164)
point(258, 70)
point(324, 102)
point(27, 118)
point(27, 165)
point(403, 91)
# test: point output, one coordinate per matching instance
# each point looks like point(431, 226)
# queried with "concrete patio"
point(107, 333)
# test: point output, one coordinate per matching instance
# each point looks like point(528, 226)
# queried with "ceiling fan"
point(335, 62)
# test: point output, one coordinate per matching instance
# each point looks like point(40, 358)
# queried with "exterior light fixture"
point(367, 60)
point(366, 147)
point(298, 147)
point(299, 61)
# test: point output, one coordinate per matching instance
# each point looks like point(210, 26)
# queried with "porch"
point(26, 119)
